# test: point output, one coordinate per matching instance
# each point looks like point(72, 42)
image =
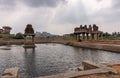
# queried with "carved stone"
point(84, 32)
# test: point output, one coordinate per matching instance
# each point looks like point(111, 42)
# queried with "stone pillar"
point(101, 36)
point(32, 39)
point(24, 39)
point(77, 37)
point(83, 36)
point(87, 36)
point(97, 36)
point(92, 36)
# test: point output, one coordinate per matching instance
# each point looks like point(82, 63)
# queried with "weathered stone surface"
point(89, 65)
point(89, 68)
point(10, 73)
point(80, 68)
point(76, 74)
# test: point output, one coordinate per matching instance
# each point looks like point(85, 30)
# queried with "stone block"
point(10, 73)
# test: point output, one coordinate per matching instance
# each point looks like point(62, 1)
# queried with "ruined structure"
point(88, 33)
point(5, 30)
point(29, 32)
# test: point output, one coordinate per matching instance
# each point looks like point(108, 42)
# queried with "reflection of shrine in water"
point(88, 33)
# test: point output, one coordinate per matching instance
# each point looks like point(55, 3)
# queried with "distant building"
point(5, 30)
point(1, 31)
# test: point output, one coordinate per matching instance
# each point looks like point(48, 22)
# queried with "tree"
point(106, 34)
point(19, 36)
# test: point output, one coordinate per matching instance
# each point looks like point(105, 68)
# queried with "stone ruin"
point(88, 32)
point(29, 31)
point(5, 30)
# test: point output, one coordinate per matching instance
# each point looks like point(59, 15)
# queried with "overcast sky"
point(60, 16)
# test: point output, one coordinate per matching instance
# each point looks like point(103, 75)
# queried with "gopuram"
point(29, 37)
point(88, 33)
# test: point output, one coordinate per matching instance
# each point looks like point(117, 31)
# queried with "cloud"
point(108, 14)
point(107, 18)
point(10, 5)
point(116, 4)
point(71, 14)
point(43, 3)
point(7, 2)
point(57, 16)
point(98, 0)
point(38, 18)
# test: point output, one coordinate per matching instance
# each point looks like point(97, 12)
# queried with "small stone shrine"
point(29, 37)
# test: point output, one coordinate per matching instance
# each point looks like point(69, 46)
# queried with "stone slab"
point(76, 74)
point(10, 73)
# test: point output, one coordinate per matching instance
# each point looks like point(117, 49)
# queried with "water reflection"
point(50, 59)
point(30, 63)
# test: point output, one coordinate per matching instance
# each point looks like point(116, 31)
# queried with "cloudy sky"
point(60, 16)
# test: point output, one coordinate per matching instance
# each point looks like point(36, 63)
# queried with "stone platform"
point(29, 46)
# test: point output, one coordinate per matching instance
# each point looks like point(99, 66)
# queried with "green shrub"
point(18, 36)
point(1, 36)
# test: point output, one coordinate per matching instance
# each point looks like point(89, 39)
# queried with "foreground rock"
point(10, 73)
